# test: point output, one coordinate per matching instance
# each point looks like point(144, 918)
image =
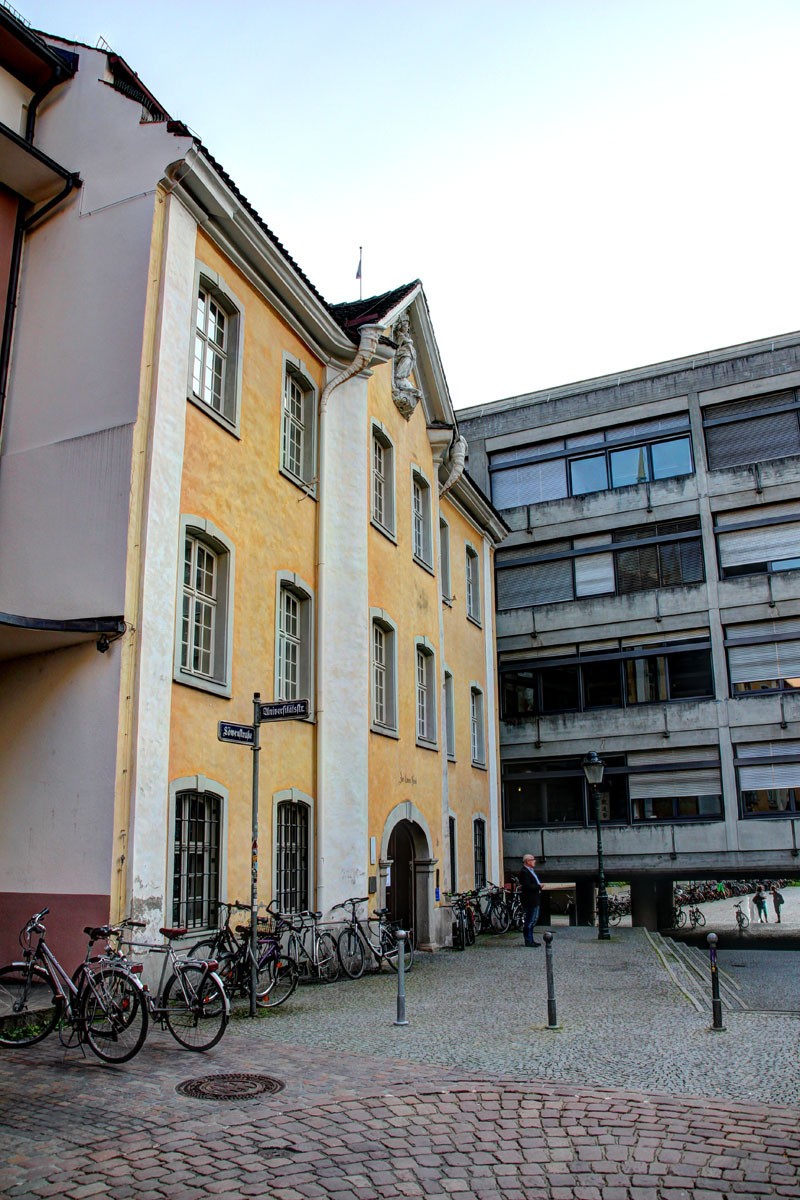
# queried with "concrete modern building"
point(648, 608)
point(267, 494)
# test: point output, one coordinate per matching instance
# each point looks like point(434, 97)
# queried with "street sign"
point(228, 732)
point(284, 710)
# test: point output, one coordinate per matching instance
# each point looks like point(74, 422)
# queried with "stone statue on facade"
point(404, 394)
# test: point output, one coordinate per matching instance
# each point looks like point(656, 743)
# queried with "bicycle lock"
point(552, 1019)
point(401, 977)
point(716, 1003)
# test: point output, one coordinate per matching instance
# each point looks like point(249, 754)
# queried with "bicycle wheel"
point(284, 975)
point(29, 1005)
point(114, 1012)
point(469, 925)
point(350, 949)
point(500, 917)
point(390, 948)
point(459, 930)
point(196, 1008)
point(615, 916)
point(327, 958)
point(680, 918)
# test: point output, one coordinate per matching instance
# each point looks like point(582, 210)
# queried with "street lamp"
point(593, 768)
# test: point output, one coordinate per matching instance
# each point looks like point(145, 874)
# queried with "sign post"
point(254, 858)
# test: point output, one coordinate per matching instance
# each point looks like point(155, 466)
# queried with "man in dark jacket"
point(531, 890)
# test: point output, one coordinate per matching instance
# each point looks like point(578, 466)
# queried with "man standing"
point(531, 890)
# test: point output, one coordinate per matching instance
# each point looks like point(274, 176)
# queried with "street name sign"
point(243, 734)
point(284, 710)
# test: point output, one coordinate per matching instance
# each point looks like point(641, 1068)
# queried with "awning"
point(20, 636)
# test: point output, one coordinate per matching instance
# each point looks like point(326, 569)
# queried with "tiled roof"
point(359, 312)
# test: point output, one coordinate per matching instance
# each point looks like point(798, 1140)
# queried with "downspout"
point(366, 351)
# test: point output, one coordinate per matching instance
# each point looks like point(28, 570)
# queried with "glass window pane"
point(518, 694)
point(645, 680)
point(588, 474)
point(602, 685)
point(559, 689)
point(690, 674)
point(637, 570)
point(671, 458)
point(629, 466)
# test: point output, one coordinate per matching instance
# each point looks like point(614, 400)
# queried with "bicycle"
point(358, 939)
point(678, 917)
point(193, 1005)
point(322, 961)
point(462, 924)
point(696, 917)
point(496, 915)
point(277, 974)
point(742, 919)
point(104, 1005)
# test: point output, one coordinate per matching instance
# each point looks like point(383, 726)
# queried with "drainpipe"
point(366, 351)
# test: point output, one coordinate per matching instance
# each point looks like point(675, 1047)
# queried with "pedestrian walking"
point(777, 902)
point(760, 901)
point(531, 891)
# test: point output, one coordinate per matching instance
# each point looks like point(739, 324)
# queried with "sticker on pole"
point(284, 710)
point(243, 734)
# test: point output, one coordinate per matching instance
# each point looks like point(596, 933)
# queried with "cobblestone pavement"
point(586, 1113)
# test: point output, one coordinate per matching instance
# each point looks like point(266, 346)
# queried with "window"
point(764, 656)
point(298, 423)
point(453, 840)
point(384, 672)
point(382, 481)
point(215, 372)
point(664, 554)
point(630, 675)
point(759, 541)
point(677, 785)
point(204, 632)
point(591, 462)
point(476, 725)
point(292, 857)
point(196, 859)
point(425, 675)
point(444, 560)
point(449, 715)
point(753, 430)
point(294, 639)
point(473, 584)
point(479, 851)
point(769, 778)
point(421, 519)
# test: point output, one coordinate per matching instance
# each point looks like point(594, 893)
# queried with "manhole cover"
point(229, 1087)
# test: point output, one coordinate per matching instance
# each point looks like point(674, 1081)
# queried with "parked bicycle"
point(463, 920)
point(742, 919)
point(696, 917)
point(372, 938)
point(191, 1003)
point(103, 1006)
point(277, 973)
point(313, 950)
point(492, 910)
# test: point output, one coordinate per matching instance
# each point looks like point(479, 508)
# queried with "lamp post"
point(593, 770)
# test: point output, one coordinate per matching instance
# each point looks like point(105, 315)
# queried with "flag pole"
point(358, 273)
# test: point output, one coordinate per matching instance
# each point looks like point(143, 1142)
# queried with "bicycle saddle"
point(96, 932)
point(381, 912)
point(173, 933)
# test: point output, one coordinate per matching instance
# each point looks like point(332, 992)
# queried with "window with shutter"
point(768, 427)
point(769, 777)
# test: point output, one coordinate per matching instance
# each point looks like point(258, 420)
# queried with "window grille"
point(479, 852)
point(291, 857)
point(195, 888)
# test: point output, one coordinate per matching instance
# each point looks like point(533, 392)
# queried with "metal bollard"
point(401, 977)
point(716, 1003)
point(552, 1019)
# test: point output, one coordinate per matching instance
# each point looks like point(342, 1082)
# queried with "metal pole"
point(552, 1019)
point(602, 896)
point(254, 858)
point(401, 977)
point(716, 1003)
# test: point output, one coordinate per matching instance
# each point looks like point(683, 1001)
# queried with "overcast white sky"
point(583, 186)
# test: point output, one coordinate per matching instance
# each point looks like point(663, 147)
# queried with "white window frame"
point(477, 725)
point(296, 377)
point(228, 415)
point(449, 715)
point(290, 584)
point(389, 726)
point(472, 563)
point(425, 691)
point(293, 795)
point(383, 517)
point(218, 680)
point(421, 523)
point(195, 783)
point(444, 560)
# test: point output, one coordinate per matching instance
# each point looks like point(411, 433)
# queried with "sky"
point(583, 186)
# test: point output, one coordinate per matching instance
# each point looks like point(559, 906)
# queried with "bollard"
point(401, 977)
point(716, 1003)
point(552, 1019)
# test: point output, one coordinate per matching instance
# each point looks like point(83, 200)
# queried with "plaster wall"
point(14, 100)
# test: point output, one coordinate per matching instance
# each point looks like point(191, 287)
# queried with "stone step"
point(690, 970)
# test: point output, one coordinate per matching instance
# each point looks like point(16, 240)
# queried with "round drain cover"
point(229, 1087)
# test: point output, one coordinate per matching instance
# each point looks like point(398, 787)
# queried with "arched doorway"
point(407, 871)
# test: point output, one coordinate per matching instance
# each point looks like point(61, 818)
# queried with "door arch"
point(406, 871)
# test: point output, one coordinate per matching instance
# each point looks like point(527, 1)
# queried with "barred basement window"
point(196, 863)
point(291, 858)
point(479, 851)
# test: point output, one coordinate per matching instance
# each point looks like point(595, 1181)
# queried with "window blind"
point(663, 785)
point(780, 773)
point(756, 440)
point(766, 544)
